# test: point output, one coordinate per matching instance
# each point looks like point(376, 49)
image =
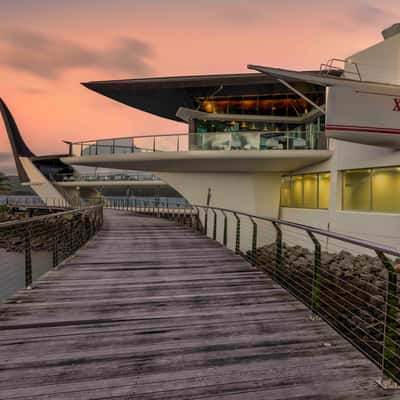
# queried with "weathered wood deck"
point(151, 310)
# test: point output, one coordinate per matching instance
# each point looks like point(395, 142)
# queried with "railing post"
point(278, 251)
point(28, 260)
point(237, 241)
point(225, 232)
point(391, 327)
point(316, 281)
point(197, 217)
point(254, 243)
point(71, 237)
point(214, 236)
point(206, 220)
point(82, 230)
point(55, 245)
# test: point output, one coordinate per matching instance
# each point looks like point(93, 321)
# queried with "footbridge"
point(155, 308)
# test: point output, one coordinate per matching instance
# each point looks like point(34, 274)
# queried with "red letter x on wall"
point(396, 105)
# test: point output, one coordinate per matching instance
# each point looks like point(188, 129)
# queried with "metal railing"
point(222, 141)
point(105, 177)
point(351, 283)
point(36, 202)
point(32, 246)
point(142, 204)
point(330, 65)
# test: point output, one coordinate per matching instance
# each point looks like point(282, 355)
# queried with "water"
point(24, 200)
point(12, 270)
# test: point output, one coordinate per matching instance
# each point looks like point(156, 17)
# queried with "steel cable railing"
point(352, 284)
point(32, 246)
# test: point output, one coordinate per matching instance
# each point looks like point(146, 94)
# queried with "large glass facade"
point(357, 190)
point(258, 140)
point(306, 191)
point(273, 104)
point(375, 189)
point(386, 189)
point(285, 191)
point(324, 189)
point(288, 129)
point(310, 191)
point(296, 194)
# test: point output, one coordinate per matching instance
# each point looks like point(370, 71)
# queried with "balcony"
point(210, 141)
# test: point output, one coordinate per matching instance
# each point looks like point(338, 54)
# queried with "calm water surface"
point(12, 270)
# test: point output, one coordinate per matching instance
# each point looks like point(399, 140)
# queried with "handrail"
point(230, 140)
point(333, 235)
point(93, 141)
point(105, 177)
point(353, 291)
point(40, 218)
point(129, 137)
point(330, 66)
point(52, 238)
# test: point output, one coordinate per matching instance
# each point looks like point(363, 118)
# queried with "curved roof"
point(163, 96)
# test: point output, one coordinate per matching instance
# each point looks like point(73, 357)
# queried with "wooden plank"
point(152, 310)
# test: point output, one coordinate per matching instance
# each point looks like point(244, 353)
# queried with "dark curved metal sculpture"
point(20, 149)
point(49, 166)
point(18, 146)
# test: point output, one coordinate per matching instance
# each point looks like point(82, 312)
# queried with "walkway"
point(152, 310)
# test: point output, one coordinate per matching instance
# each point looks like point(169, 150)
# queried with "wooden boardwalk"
point(152, 310)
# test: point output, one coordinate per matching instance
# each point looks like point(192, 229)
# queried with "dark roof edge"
point(182, 78)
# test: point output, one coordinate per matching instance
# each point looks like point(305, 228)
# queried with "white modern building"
point(316, 147)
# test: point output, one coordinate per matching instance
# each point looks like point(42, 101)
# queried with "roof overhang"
point(164, 96)
point(322, 80)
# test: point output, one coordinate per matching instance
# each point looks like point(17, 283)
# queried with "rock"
point(352, 288)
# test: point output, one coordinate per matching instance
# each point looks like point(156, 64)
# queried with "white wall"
point(256, 193)
point(253, 193)
point(378, 63)
point(39, 184)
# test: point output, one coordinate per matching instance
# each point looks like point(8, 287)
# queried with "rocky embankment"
point(352, 289)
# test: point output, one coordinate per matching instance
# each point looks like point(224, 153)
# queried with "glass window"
point(296, 199)
point(324, 185)
point(285, 192)
point(310, 189)
point(306, 191)
point(386, 189)
point(357, 190)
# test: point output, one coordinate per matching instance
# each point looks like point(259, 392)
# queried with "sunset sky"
point(47, 47)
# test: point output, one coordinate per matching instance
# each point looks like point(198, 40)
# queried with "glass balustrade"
point(222, 141)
